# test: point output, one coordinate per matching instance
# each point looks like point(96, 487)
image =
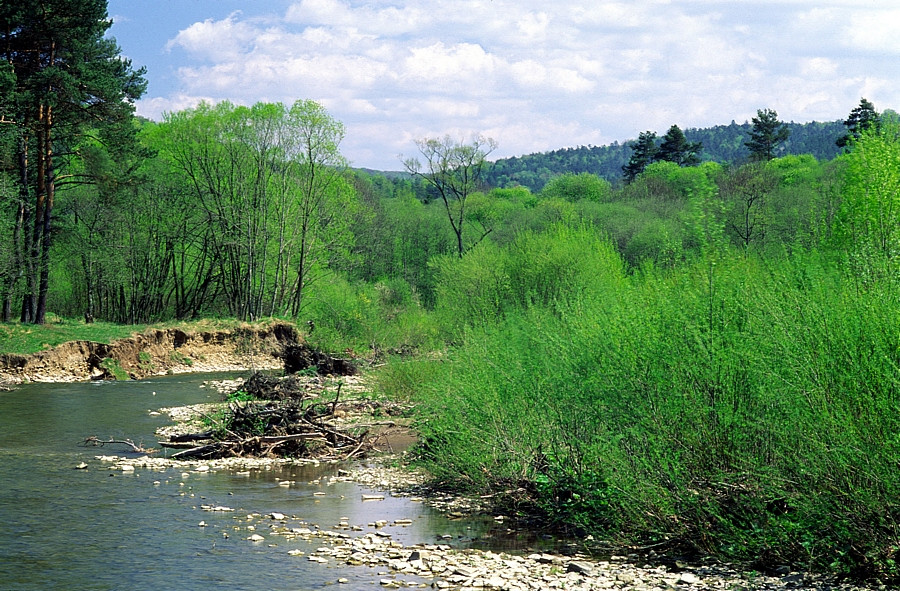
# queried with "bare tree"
point(454, 169)
point(746, 189)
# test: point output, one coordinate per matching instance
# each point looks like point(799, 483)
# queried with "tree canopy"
point(67, 77)
point(455, 169)
point(862, 118)
point(643, 152)
point(766, 135)
point(675, 148)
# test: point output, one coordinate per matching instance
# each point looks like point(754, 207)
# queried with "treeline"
point(722, 143)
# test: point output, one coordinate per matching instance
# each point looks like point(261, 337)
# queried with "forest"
point(702, 358)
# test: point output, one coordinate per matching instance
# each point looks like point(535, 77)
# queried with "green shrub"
point(730, 406)
point(369, 318)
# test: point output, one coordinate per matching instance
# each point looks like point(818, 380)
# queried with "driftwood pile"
point(269, 416)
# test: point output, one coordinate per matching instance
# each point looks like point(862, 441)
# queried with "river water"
point(63, 528)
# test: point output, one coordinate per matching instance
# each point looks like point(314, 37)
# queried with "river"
point(100, 529)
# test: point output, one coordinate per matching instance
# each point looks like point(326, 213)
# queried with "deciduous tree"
point(745, 191)
point(271, 184)
point(869, 221)
point(455, 170)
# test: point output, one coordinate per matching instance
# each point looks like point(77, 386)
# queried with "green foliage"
point(643, 153)
point(767, 135)
point(537, 269)
point(862, 118)
point(68, 81)
point(24, 338)
point(675, 148)
point(239, 396)
point(145, 361)
point(270, 184)
point(680, 182)
point(455, 170)
point(868, 225)
point(721, 143)
point(112, 366)
point(575, 187)
point(750, 413)
point(369, 319)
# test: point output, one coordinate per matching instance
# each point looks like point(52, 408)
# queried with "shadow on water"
point(102, 529)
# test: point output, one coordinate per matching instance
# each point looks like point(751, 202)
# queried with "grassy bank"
point(24, 339)
point(29, 338)
point(733, 407)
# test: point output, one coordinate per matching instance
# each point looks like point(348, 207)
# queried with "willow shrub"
point(368, 318)
point(731, 407)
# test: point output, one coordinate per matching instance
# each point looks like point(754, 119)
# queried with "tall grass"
point(731, 406)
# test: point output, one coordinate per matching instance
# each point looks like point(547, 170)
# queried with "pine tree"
point(67, 77)
point(643, 152)
point(675, 148)
point(766, 134)
point(861, 118)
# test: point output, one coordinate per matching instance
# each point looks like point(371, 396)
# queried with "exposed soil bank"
point(154, 352)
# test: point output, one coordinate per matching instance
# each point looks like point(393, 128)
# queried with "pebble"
point(439, 566)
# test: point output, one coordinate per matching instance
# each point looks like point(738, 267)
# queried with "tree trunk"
point(48, 189)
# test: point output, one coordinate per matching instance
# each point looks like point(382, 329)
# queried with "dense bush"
point(737, 407)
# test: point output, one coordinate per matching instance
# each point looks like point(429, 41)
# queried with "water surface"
point(64, 528)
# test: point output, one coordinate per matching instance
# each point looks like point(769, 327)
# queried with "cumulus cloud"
point(537, 75)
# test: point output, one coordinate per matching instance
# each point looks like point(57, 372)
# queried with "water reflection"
point(100, 529)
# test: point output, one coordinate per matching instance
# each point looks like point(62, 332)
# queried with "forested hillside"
point(723, 144)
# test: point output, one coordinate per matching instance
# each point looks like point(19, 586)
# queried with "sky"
point(533, 75)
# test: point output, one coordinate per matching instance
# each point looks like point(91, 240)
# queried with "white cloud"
point(216, 40)
point(537, 75)
point(875, 31)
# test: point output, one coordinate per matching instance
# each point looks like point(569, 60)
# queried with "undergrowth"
point(731, 407)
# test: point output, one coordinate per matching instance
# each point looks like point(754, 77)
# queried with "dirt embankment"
point(154, 352)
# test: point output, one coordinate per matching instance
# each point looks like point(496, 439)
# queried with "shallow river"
point(62, 528)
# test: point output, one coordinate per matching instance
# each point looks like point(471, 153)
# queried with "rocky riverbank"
point(441, 565)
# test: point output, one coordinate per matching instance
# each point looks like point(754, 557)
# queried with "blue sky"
point(533, 75)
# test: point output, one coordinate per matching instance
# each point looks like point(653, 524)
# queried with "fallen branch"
point(296, 437)
point(204, 451)
point(336, 398)
point(178, 444)
point(96, 442)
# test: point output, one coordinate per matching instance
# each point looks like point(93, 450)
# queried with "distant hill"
point(722, 143)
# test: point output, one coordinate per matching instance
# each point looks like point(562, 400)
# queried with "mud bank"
point(154, 352)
